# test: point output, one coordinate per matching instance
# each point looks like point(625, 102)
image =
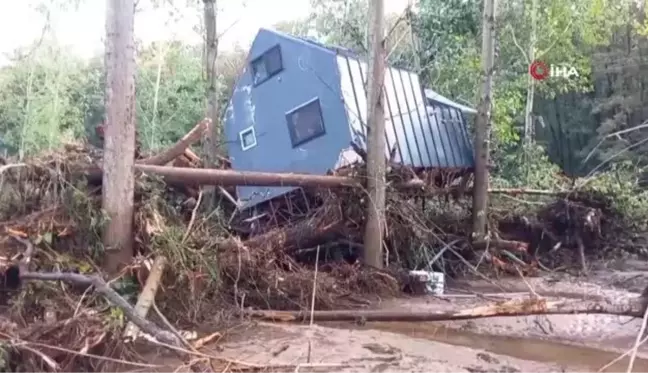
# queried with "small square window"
point(305, 123)
point(259, 71)
point(248, 138)
point(267, 65)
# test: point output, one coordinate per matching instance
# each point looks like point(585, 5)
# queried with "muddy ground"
point(502, 344)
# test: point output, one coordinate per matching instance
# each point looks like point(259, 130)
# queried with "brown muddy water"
point(577, 358)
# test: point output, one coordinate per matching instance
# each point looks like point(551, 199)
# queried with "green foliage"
point(518, 166)
point(38, 101)
point(52, 97)
point(170, 93)
point(620, 182)
point(341, 22)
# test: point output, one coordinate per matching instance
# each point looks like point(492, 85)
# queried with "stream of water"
point(576, 357)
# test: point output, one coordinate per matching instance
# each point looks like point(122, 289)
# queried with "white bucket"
point(434, 281)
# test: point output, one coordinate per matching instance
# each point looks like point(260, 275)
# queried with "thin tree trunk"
point(161, 54)
point(483, 124)
point(375, 224)
point(212, 148)
point(529, 128)
point(119, 140)
point(211, 145)
point(27, 110)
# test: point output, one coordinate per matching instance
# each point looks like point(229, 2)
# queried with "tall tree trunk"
point(211, 53)
point(119, 138)
point(529, 126)
point(212, 139)
point(375, 224)
point(483, 123)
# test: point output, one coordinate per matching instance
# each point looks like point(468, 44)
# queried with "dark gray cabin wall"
point(309, 71)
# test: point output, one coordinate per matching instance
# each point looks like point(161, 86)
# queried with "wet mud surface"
point(553, 343)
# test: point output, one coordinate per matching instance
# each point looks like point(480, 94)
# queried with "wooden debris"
point(147, 296)
point(518, 307)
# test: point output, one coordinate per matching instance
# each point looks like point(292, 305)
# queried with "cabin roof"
point(429, 93)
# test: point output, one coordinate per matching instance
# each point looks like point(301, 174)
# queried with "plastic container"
point(434, 281)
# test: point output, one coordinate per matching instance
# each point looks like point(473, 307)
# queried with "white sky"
point(83, 28)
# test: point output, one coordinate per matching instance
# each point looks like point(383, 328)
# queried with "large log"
point(519, 307)
point(246, 178)
point(183, 176)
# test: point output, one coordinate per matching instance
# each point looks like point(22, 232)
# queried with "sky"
point(83, 28)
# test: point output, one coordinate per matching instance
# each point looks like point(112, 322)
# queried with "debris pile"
point(294, 262)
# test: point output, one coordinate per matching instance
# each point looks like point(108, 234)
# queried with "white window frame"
point(241, 137)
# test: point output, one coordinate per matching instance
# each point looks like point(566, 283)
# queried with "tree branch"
point(555, 40)
point(524, 54)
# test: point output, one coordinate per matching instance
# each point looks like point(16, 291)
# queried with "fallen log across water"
point(519, 307)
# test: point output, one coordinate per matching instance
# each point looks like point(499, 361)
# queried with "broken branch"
point(147, 296)
point(179, 147)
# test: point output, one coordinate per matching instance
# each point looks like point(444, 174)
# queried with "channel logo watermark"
point(541, 71)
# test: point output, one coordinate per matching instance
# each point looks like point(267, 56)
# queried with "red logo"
point(538, 70)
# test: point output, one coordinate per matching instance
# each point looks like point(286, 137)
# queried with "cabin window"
point(248, 138)
point(267, 65)
point(305, 123)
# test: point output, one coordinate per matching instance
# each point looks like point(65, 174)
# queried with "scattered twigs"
point(11, 165)
point(27, 254)
point(193, 217)
point(159, 335)
point(502, 245)
point(640, 334)
point(111, 295)
point(312, 308)
point(423, 186)
point(308, 233)
point(519, 307)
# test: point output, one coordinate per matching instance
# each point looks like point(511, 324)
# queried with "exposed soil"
point(363, 350)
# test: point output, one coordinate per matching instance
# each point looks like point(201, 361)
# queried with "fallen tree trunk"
point(246, 178)
point(179, 147)
point(306, 233)
point(518, 307)
point(204, 176)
